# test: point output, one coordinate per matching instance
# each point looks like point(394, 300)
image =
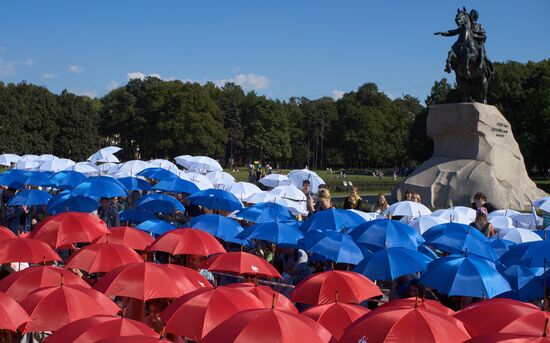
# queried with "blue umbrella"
point(440, 229)
point(12, 178)
point(100, 186)
point(391, 263)
point(382, 233)
point(176, 186)
point(465, 276)
point(156, 226)
point(136, 215)
point(218, 226)
point(535, 254)
point(265, 212)
point(216, 199)
point(526, 286)
point(157, 173)
point(500, 246)
point(334, 246)
point(135, 184)
point(36, 178)
point(72, 203)
point(332, 220)
point(30, 198)
point(280, 233)
point(461, 242)
point(67, 179)
point(427, 251)
point(158, 202)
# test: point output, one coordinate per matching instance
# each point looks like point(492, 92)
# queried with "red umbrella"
point(6, 233)
point(99, 327)
point(103, 257)
point(146, 280)
point(69, 227)
point(20, 284)
point(393, 324)
point(335, 317)
point(187, 241)
point(243, 263)
point(126, 235)
point(501, 312)
point(134, 339)
point(51, 308)
point(268, 325)
point(26, 250)
point(265, 294)
point(426, 304)
point(531, 324)
point(12, 315)
point(323, 288)
point(509, 338)
point(197, 313)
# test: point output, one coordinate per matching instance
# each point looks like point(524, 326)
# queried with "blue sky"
point(278, 48)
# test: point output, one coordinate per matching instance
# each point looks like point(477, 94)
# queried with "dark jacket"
point(109, 215)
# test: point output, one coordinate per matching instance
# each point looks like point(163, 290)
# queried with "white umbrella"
point(466, 212)
point(289, 192)
point(425, 223)
point(221, 179)
point(105, 155)
point(204, 164)
point(27, 165)
point(130, 168)
point(259, 197)
point(408, 209)
point(199, 180)
point(275, 180)
point(46, 157)
point(109, 167)
point(526, 220)
point(368, 216)
point(184, 160)
point(498, 213)
point(297, 178)
point(28, 157)
point(85, 168)
point(502, 222)
point(55, 165)
point(293, 206)
point(518, 235)
point(165, 164)
point(8, 159)
point(543, 204)
point(449, 214)
point(243, 190)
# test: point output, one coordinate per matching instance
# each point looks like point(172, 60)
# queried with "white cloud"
point(142, 76)
point(247, 81)
point(112, 85)
point(336, 94)
point(29, 62)
point(7, 68)
point(75, 69)
point(49, 76)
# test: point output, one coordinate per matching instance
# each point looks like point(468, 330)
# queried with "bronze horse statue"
point(467, 57)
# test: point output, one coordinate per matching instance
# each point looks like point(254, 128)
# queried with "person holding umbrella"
point(482, 223)
point(108, 213)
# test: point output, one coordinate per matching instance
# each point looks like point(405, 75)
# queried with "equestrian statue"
point(467, 57)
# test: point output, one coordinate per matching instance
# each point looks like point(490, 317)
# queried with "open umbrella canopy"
point(243, 190)
point(195, 314)
point(30, 197)
point(424, 223)
point(275, 180)
point(334, 246)
point(85, 168)
point(135, 339)
point(500, 246)
point(37, 178)
point(409, 209)
point(129, 236)
point(465, 276)
point(458, 214)
point(332, 220)
point(69, 227)
point(391, 263)
point(6, 233)
point(204, 164)
point(135, 184)
point(21, 283)
point(26, 250)
point(12, 315)
point(8, 159)
point(221, 179)
point(334, 285)
point(103, 154)
point(102, 257)
point(100, 186)
point(95, 328)
point(187, 241)
point(290, 192)
point(534, 254)
point(427, 304)
point(405, 324)
point(542, 203)
point(297, 178)
point(519, 235)
point(67, 179)
point(157, 202)
point(381, 233)
point(199, 180)
point(157, 173)
point(176, 185)
point(262, 196)
point(284, 233)
point(155, 226)
point(268, 296)
point(265, 212)
point(268, 325)
point(525, 284)
point(216, 199)
point(500, 311)
point(145, 281)
point(442, 229)
point(242, 263)
point(136, 215)
point(218, 226)
point(50, 308)
point(12, 178)
point(72, 203)
point(335, 317)
point(464, 242)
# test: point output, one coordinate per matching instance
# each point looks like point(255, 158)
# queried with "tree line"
point(152, 118)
